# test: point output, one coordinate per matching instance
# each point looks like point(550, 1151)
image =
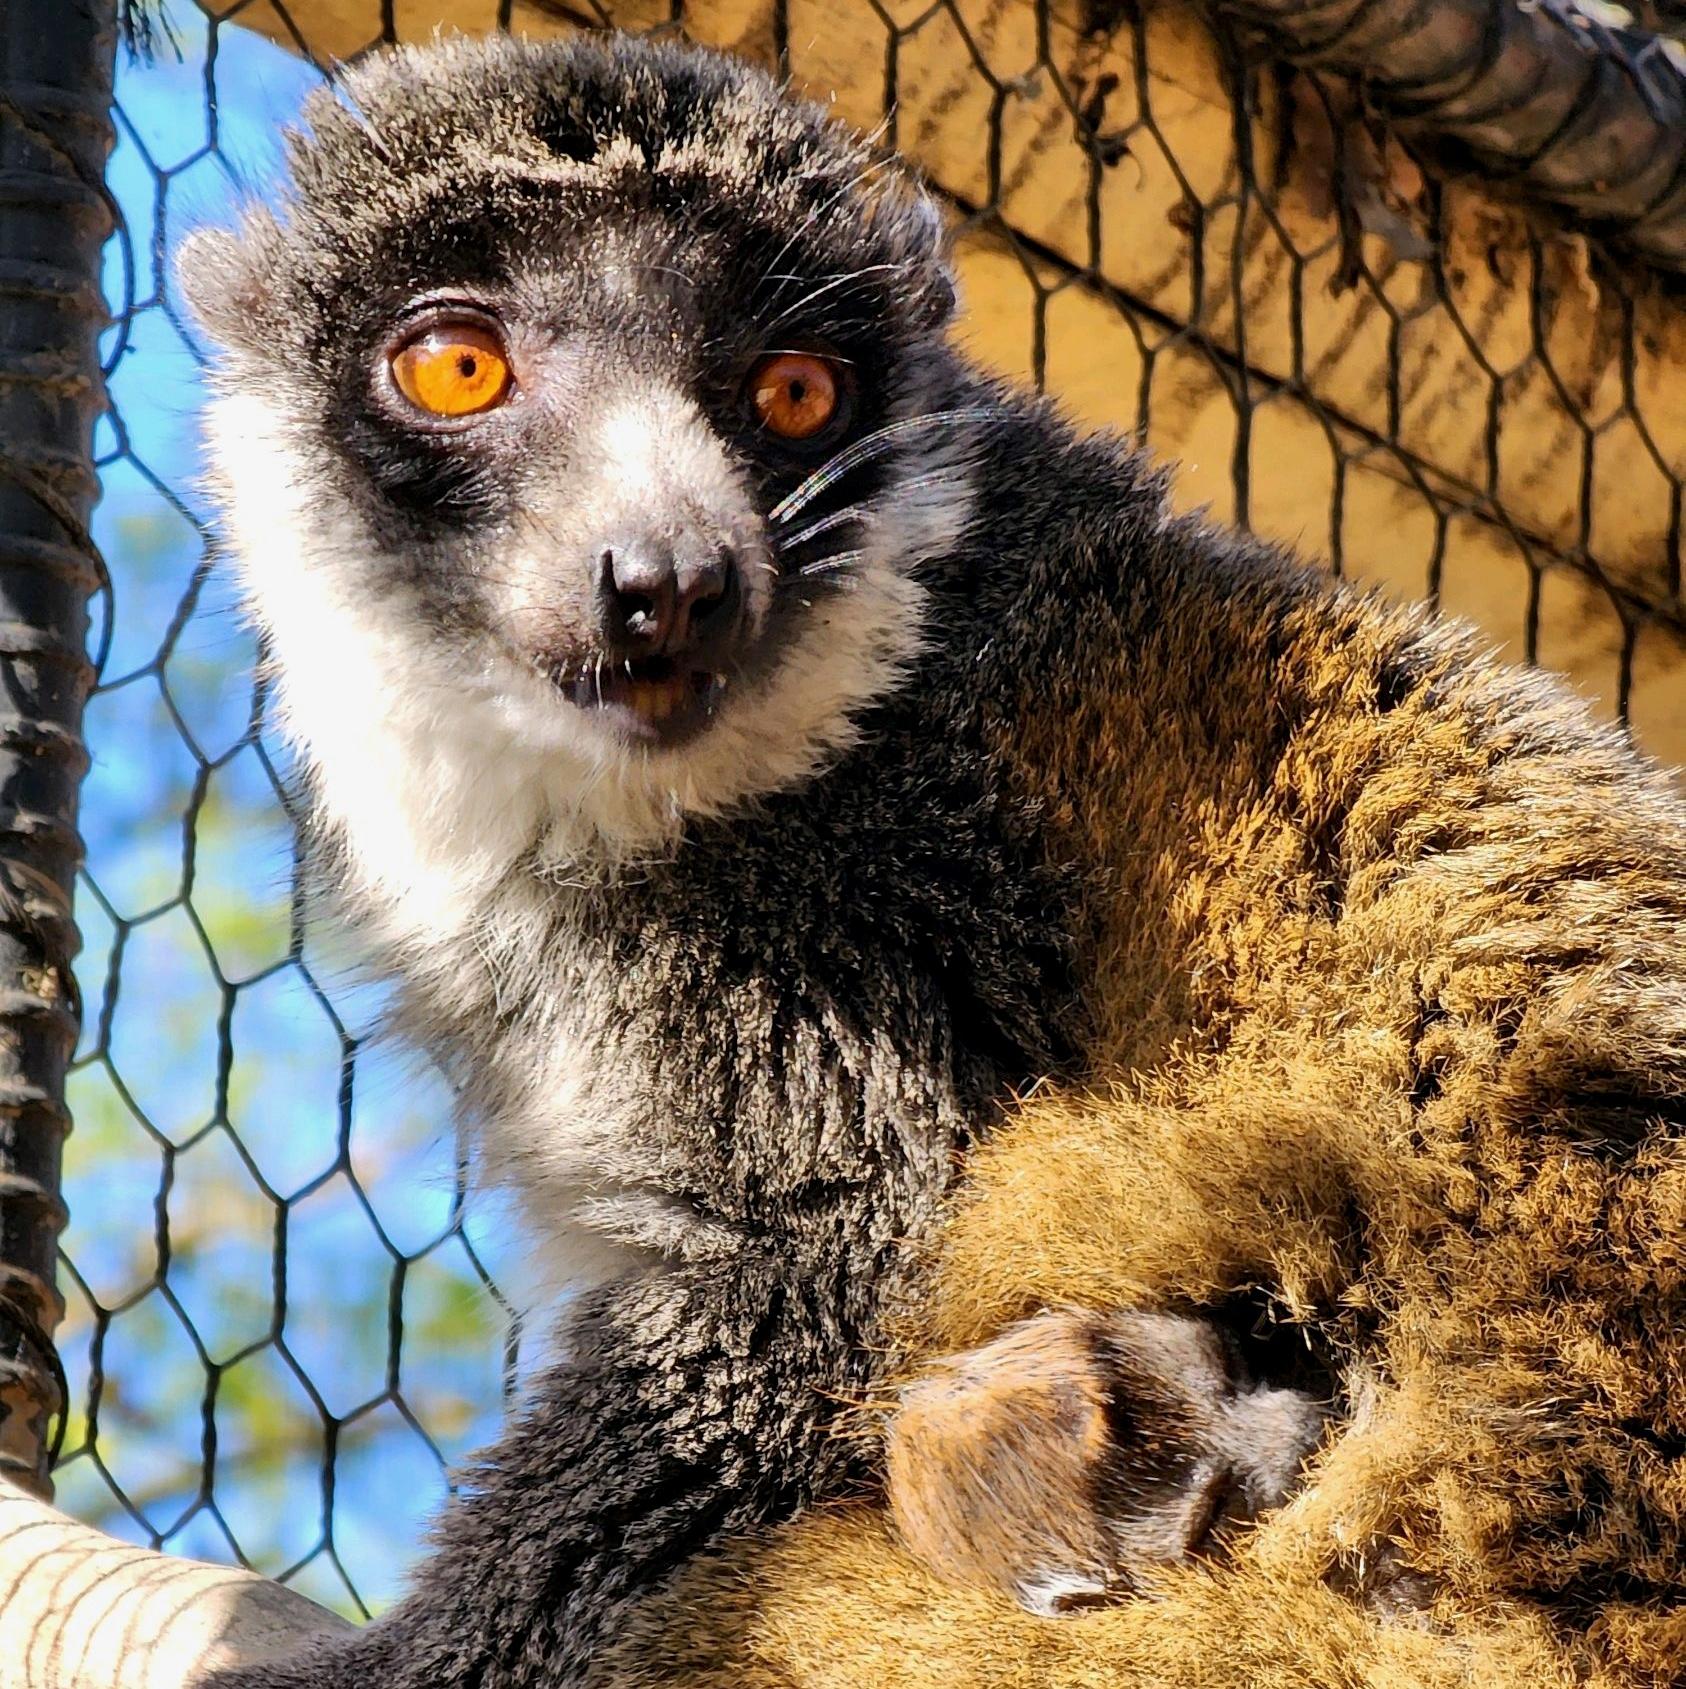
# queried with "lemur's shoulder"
point(1239, 754)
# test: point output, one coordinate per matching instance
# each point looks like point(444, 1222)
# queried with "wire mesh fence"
point(280, 1323)
point(276, 1325)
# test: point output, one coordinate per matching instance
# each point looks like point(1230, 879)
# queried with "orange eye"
point(452, 369)
point(795, 394)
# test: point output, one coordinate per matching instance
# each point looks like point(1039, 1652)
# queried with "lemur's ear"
point(225, 278)
point(912, 220)
point(944, 291)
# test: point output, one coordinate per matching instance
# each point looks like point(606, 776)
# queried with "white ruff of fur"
point(444, 772)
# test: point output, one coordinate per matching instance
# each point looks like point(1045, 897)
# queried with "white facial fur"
point(444, 768)
point(469, 794)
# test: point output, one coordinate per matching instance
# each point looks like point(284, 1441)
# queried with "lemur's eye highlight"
point(795, 394)
point(452, 369)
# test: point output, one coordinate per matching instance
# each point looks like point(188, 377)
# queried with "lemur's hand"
point(1075, 1450)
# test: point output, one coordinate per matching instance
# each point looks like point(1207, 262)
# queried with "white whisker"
point(864, 450)
point(829, 286)
point(834, 564)
point(824, 525)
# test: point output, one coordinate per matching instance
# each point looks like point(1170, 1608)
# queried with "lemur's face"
point(555, 402)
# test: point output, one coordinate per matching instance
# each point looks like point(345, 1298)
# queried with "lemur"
point(928, 930)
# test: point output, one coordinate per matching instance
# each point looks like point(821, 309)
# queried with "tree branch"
point(80, 1610)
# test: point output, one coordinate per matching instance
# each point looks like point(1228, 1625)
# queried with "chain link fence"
point(280, 1324)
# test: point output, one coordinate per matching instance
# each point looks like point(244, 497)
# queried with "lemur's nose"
point(655, 603)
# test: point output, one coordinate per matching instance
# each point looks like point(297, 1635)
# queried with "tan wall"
point(1443, 403)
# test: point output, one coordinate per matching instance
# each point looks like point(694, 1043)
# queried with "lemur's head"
point(551, 435)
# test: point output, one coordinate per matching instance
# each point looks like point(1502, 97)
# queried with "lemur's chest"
point(649, 1077)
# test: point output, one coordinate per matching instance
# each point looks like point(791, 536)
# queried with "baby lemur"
point(877, 878)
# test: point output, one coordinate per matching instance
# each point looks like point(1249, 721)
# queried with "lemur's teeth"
point(656, 700)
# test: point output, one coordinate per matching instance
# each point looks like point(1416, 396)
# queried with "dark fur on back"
point(1308, 922)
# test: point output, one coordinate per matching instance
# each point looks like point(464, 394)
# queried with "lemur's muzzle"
point(670, 619)
point(656, 603)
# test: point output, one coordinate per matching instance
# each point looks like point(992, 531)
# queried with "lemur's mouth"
point(652, 700)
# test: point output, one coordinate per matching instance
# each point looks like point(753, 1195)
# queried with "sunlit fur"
point(1083, 907)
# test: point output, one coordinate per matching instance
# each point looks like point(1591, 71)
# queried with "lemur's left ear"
point(944, 294)
point(912, 220)
point(225, 278)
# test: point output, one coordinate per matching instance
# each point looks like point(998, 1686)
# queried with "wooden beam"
point(79, 1610)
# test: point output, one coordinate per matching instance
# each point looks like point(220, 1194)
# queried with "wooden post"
point(79, 1610)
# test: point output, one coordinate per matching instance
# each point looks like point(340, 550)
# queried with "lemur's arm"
point(694, 1404)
